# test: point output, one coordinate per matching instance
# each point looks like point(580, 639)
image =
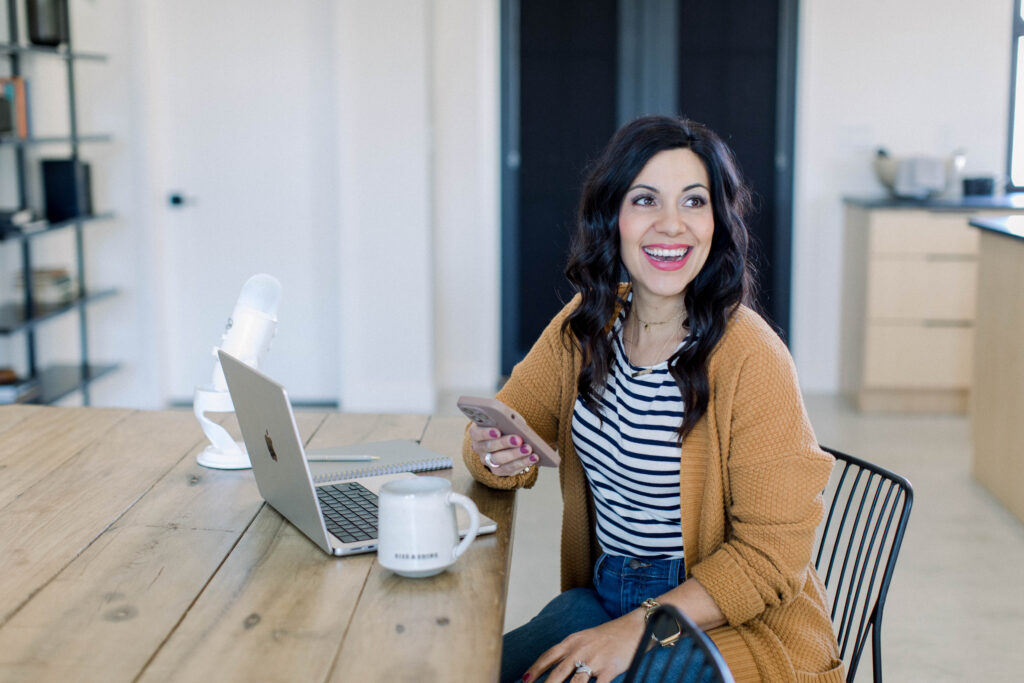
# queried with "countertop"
point(1010, 226)
point(1012, 201)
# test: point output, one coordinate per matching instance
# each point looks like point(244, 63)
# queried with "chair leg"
point(876, 650)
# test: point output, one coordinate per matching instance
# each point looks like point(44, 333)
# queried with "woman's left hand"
point(606, 649)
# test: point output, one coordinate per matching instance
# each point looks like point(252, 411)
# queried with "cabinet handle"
point(950, 257)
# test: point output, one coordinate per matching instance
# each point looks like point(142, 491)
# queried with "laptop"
point(341, 517)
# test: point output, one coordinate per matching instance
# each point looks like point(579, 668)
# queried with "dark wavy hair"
point(595, 262)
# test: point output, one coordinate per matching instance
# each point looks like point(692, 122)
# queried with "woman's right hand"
point(509, 455)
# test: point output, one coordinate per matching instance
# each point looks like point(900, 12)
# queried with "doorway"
point(238, 161)
point(574, 70)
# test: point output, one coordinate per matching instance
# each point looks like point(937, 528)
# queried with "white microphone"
point(251, 327)
point(247, 336)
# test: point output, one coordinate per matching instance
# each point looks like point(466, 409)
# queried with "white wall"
point(466, 167)
point(384, 202)
point(914, 76)
point(417, 148)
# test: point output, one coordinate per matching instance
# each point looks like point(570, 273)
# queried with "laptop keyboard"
point(350, 511)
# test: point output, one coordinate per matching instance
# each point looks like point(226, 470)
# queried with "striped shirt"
point(630, 453)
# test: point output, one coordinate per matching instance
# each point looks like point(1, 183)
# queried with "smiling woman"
point(709, 203)
point(665, 229)
point(689, 473)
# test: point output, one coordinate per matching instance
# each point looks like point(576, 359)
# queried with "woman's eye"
point(695, 202)
point(643, 200)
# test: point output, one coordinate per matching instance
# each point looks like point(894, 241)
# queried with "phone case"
point(490, 412)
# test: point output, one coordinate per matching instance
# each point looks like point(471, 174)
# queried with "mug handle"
point(474, 521)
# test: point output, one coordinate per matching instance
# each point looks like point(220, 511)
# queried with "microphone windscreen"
point(261, 293)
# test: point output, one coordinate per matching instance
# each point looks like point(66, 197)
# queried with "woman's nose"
point(671, 222)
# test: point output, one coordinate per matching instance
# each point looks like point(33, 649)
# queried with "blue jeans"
point(620, 585)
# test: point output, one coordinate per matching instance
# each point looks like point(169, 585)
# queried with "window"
point(1015, 158)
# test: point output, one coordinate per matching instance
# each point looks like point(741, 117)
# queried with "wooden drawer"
point(921, 289)
point(921, 232)
point(918, 356)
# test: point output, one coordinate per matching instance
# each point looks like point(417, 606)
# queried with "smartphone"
point(490, 412)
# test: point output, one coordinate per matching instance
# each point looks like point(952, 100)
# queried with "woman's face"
point(666, 224)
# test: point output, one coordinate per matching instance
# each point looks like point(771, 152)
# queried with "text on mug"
point(415, 556)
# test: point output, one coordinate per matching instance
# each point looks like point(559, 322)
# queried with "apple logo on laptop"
point(270, 446)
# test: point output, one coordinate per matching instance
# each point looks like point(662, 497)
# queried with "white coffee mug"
point(418, 532)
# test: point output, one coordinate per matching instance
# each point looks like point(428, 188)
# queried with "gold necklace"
point(664, 347)
point(647, 323)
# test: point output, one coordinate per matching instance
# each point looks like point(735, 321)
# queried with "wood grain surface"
point(445, 627)
point(122, 559)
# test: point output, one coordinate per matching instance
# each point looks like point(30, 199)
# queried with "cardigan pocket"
point(834, 675)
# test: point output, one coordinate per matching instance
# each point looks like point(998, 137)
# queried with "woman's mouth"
point(667, 258)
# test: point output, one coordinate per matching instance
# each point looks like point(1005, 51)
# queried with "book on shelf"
point(382, 457)
point(15, 91)
point(66, 183)
point(6, 115)
point(50, 286)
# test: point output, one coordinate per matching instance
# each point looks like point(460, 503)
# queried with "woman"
point(690, 474)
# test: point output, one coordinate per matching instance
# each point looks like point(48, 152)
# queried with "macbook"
point(340, 517)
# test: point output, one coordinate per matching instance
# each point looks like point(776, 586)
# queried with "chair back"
point(867, 508)
point(691, 659)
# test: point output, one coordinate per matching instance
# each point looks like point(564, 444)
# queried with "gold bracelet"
point(667, 640)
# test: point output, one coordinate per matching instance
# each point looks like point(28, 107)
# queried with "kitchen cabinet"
point(997, 459)
point(910, 273)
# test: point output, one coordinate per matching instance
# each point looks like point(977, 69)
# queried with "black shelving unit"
point(29, 317)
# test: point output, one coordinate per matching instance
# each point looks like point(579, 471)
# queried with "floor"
point(955, 610)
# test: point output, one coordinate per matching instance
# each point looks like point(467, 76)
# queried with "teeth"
point(660, 253)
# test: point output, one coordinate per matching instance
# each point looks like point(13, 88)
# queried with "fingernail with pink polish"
point(534, 458)
point(515, 441)
point(524, 450)
point(526, 677)
point(494, 433)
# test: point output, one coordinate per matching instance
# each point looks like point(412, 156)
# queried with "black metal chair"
point(656, 662)
point(868, 508)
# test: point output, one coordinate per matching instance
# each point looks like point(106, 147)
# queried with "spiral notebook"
point(392, 457)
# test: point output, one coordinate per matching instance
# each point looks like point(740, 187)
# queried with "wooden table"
point(122, 559)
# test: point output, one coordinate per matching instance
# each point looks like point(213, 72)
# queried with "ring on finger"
point(582, 668)
point(488, 462)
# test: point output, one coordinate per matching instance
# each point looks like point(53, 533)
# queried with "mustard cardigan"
point(750, 489)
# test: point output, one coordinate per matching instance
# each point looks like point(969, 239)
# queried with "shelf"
point(41, 227)
point(57, 381)
point(11, 141)
point(12, 316)
point(60, 52)
point(52, 381)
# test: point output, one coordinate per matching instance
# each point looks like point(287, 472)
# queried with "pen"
point(342, 458)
